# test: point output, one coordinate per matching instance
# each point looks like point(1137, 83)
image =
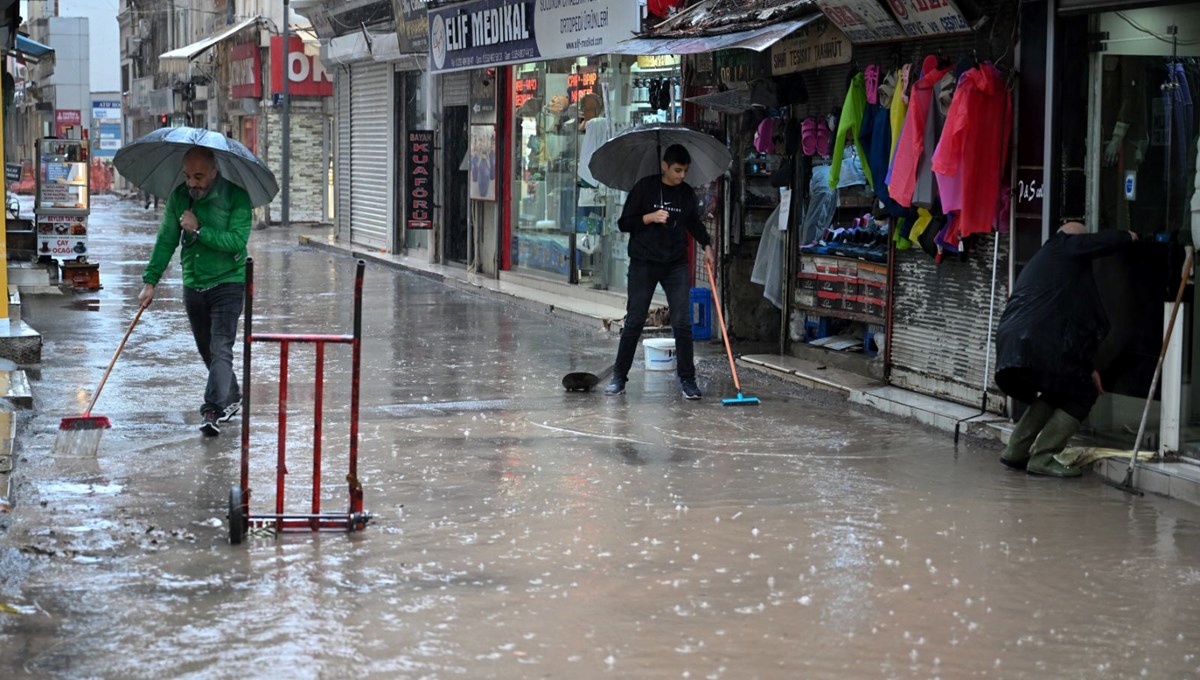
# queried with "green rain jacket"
point(218, 254)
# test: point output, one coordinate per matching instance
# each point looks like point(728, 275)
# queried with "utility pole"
point(285, 167)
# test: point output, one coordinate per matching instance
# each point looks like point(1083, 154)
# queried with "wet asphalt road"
point(523, 532)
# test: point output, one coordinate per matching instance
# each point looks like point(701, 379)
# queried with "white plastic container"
point(660, 354)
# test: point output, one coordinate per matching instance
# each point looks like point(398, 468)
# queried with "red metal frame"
point(354, 518)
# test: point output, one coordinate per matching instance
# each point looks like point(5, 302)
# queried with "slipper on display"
point(824, 139)
point(808, 136)
point(887, 89)
point(872, 79)
point(905, 80)
point(763, 138)
point(945, 93)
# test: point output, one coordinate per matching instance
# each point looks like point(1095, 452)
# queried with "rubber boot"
point(1053, 439)
point(1016, 454)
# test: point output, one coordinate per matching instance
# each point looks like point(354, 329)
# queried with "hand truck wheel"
point(237, 518)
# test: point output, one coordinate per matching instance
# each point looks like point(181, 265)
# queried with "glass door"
point(1142, 176)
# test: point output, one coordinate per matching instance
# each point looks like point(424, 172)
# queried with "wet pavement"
point(525, 532)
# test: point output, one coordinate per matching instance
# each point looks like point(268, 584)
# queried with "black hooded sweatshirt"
point(665, 243)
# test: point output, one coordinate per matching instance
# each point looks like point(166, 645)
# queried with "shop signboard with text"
point(412, 25)
point(494, 32)
point(815, 45)
point(863, 21)
point(928, 17)
point(65, 119)
point(306, 74)
point(245, 69)
point(418, 199)
point(62, 236)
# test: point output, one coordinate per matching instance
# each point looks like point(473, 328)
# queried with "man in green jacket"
point(209, 217)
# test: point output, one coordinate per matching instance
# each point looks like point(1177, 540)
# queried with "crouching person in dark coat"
point(1047, 342)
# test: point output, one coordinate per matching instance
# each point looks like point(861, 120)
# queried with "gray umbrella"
point(154, 162)
point(635, 153)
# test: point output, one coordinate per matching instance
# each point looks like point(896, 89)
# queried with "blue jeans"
point(213, 314)
point(675, 280)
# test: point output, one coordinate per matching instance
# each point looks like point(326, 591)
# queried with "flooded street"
point(525, 532)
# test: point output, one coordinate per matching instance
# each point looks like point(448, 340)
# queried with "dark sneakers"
point(615, 387)
point(230, 411)
point(690, 390)
point(208, 424)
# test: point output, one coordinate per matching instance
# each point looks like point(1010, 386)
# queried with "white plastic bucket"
point(660, 354)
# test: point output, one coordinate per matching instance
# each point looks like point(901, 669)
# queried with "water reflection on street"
point(525, 532)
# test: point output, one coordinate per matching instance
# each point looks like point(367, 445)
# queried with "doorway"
point(1142, 166)
point(455, 140)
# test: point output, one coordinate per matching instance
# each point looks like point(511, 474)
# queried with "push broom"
point(80, 435)
point(739, 399)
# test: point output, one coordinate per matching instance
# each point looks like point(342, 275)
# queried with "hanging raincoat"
point(850, 121)
point(912, 141)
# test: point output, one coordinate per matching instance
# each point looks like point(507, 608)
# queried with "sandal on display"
point(808, 136)
point(824, 137)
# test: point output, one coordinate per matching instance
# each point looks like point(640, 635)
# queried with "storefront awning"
point(757, 39)
point(32, 48)
point(178, 59)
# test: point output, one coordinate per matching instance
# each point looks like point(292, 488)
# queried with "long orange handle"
point(96, 394)
point(721, 317)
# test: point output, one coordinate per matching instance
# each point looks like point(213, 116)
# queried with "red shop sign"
point(418, 196)
point(306, 75)
point(244, 71)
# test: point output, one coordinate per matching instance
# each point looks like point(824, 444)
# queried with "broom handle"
point(104, 378)
point(721, 317)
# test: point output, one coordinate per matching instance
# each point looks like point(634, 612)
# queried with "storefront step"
point(1179, 479)
point(1174, 479)
point(579, 307)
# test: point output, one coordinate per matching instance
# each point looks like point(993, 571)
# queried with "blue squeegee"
point(740, 398)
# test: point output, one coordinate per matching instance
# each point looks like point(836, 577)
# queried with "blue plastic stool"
point(701, 314)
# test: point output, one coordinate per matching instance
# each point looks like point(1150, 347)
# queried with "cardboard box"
point(829, 301)
point(872, 306)
point(808, 265)
point(872, 289)
point(874, 272)
point(807, 298)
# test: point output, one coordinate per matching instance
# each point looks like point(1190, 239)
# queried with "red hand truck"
point(354, 519)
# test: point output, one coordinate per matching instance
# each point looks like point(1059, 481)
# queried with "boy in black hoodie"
point(659, 213)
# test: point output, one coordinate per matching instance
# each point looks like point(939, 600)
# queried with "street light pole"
point(285, 166)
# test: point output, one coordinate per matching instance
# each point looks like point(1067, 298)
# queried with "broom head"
point(85, 423)
point(80, 435)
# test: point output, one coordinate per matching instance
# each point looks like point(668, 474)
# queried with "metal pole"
point(285, 167)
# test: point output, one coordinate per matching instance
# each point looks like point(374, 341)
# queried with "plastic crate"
point(701, 313)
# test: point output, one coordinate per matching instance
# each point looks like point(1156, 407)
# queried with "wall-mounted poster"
point(483, 162)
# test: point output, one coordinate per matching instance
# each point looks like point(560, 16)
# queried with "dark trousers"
point(1072, 392)
point(213, 314)
point(644, 277)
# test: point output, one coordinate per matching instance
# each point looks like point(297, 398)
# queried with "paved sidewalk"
point(603, 311)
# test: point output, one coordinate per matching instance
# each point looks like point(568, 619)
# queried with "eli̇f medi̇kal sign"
point(496, 32)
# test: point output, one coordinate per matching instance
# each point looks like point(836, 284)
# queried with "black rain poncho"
point(1054, 323)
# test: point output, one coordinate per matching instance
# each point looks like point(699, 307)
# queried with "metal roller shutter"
point(370, 147)
point(940, 340)
point(456, 89)
point(342, 158)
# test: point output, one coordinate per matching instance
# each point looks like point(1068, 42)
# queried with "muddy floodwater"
point(522, 532)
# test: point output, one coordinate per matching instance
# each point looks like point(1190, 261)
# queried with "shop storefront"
point(1125, 154)
point(843, 261)
point(527, 94)
point(564, 220)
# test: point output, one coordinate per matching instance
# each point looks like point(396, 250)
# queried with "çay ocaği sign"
point(493, 32)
